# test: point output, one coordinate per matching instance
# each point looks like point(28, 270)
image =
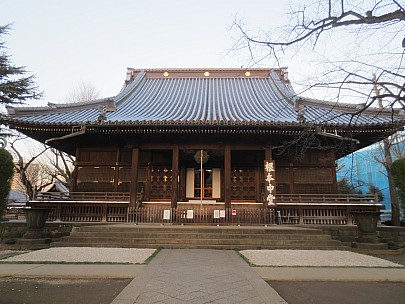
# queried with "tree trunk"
point(27, 184)
point(395, 216)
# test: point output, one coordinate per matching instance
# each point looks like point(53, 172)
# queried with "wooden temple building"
point(205, 146)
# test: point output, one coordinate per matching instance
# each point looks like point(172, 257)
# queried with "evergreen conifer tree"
point(15, 85)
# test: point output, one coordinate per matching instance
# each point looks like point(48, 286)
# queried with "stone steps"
point(190, 229)
point(205, 235)
point(196, 241)
point(201, 246)
point(274, 237)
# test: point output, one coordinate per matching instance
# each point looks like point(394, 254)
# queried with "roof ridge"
point(58, 106)
point(205, 69)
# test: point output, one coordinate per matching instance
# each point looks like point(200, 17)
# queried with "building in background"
point(362, 168)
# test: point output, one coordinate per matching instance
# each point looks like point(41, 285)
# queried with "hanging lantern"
point(201, 155)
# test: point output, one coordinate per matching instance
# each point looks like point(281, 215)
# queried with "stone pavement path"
point(198, 276)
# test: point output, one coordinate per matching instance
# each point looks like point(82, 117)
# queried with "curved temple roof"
point(202, 97)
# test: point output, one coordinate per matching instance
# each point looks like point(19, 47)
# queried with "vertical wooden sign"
point(270, 182)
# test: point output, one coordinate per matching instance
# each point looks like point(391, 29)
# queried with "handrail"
point(280, 198)
point(326, 198)
point(82, 196)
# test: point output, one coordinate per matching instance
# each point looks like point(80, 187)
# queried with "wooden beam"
point(175, 176)
point(228, 175)
point(134, 177)
point(205, 146)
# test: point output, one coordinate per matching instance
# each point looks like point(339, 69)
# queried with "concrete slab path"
point(198, 276)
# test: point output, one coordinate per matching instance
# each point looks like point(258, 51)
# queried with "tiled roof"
point(202, 97)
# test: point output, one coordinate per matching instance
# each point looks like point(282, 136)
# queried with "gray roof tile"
point(182, 100)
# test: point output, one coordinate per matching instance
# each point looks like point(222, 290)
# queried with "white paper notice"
point(166, 214)
point(222, 213)
point(216, 213)
point(190, 214)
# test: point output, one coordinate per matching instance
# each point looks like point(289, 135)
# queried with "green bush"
point(6, 174)
point(398, 175)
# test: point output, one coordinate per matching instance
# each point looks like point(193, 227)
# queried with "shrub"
point(6, 174)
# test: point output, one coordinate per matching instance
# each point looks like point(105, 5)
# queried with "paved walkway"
point(198, 276)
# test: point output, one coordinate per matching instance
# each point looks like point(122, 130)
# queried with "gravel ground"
point(85, 254)
point(310, 258)
point(314, 258)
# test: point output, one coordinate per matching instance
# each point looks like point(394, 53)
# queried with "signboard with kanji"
point(270, 181)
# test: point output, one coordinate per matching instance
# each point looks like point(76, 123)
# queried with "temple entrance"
point(209, 185)
point(206, 186)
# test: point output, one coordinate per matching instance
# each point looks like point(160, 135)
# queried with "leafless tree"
point(22, 165)
point(61, 166)
point(347, 41)
point(83, 91)
point(40, 168)
point(367, 33)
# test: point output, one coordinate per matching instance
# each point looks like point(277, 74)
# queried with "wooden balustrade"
point(326, 209)
point(83, 196)
point(84, 211)
point(201, 215)
point(320, 214)
point(280, 198)
point(326, 199)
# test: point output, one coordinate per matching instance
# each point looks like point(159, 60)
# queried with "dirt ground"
point(340, 292)
point(61, 291)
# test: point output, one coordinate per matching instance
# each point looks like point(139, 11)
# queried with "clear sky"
point(64, 42)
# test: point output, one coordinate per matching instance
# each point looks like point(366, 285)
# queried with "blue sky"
point(65, 42)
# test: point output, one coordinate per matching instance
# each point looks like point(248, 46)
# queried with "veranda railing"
point(290, 209)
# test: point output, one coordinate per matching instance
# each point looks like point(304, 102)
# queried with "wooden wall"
point(313, 173)
point(103, 170)
point(109, 170)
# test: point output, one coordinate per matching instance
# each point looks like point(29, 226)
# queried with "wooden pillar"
point(334, 179)
point(148, 182)
point(75, 170)
point(268, 154)
point(227, 175)
point(117, 169)
point(175, 176)
point(134, 177)
point(259, 178)
point(291, 178)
